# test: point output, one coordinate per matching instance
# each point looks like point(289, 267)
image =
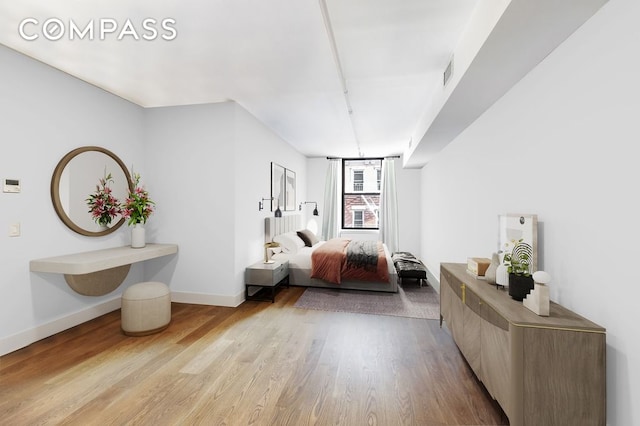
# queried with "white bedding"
point(299, 260)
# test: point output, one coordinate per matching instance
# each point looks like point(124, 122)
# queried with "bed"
point(300, 261)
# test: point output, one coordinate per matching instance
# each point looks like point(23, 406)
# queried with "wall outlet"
point(14, 229)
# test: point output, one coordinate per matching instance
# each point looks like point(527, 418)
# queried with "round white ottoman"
point(146, 308)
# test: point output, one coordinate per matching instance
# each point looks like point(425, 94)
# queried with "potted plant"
point(136, 209)
point(103, 206)
point(518, 264)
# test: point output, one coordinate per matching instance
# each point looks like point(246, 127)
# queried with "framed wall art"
point(277, 186)
point(290, 190)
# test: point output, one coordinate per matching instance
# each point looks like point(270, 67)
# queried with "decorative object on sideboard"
point(136, 209)
point(315, 208)
point(538, 300)
point(519, 267)
point(502, 272)
point(477, 266)
point(515, 228)
point(261, 203)
point(490, 273)
point(520, 286)
point(267, 246)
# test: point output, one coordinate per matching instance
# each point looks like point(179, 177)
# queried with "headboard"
point(279, 225)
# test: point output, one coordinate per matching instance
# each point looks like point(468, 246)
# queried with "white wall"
point(44, 114)
point(561, 144)
point(408, 186)
point(190, 167)
point(209, 166)
point(316, 172)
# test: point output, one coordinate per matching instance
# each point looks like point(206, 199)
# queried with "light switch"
point(14, 229)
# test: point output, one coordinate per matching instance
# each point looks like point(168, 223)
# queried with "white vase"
point(137, 236)
point(490, 274)
point(502, 275)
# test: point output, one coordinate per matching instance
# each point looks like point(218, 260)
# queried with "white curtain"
point(330, 214)
point(388, 221)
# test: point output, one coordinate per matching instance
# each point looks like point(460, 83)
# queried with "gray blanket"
point(363, 255)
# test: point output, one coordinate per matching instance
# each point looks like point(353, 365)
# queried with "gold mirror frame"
point(55, 190)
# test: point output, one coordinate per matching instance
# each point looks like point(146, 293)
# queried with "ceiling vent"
point(447, 73)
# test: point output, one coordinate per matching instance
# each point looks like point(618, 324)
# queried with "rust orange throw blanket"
point(328, 262)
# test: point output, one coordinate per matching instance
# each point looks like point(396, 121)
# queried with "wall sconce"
point(261, 203)
point(315, 209)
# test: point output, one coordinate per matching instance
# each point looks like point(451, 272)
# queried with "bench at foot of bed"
point(408, 266)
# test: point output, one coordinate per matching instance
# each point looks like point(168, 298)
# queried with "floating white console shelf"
point(98, 272)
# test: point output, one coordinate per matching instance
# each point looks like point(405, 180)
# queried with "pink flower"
point(103, 206)
point(138, 206)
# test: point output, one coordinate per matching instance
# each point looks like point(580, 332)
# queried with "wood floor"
point(258, 364)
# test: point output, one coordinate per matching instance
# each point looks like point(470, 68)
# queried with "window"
point(358, 180)
point(358, 219)
point(361, 193)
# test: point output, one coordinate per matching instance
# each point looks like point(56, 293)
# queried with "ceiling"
point(341, 78)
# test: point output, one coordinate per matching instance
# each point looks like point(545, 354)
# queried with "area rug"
point(412, 302)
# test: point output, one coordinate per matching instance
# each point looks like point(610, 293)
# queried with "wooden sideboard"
point(541, 370)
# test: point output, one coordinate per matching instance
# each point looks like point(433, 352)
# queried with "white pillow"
point(290, 242)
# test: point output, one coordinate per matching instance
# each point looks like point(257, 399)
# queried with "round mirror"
point(75, 179)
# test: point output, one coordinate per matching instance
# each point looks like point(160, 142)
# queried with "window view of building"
point(361, 192)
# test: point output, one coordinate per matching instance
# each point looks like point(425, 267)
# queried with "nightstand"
point(263, 279)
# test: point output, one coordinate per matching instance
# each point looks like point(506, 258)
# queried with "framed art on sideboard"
point(519, 229)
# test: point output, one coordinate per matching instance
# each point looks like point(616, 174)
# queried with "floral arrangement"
point(138, 206)
point(103, 206)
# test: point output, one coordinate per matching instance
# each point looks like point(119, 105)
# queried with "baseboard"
point(433, 281)
point(27, 337)
point(207, 299)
